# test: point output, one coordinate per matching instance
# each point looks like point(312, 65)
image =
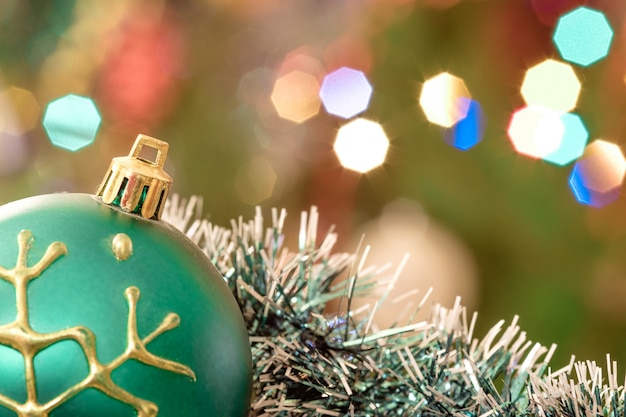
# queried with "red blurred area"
point(549, 11)
point(138, 79)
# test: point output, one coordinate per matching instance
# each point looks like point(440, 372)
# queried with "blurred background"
point(470, 133)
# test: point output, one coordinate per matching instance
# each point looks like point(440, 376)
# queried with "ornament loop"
point(160, 146)
point(135, 184)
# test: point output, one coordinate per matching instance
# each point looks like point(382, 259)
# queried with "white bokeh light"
point(361, 145)
point(444, 99)
point(536, 131)
point(345, 92)
point(551, 84)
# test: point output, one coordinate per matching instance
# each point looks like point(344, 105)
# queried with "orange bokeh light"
point(20, 111)
point(295, 96)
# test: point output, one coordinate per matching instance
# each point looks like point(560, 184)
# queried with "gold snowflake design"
point(20, 336)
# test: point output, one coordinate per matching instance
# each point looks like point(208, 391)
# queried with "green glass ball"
point(122, 316)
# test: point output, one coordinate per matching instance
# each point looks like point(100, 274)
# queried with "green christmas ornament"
point(107, 311)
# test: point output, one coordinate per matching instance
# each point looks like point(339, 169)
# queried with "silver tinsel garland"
point(311, 363)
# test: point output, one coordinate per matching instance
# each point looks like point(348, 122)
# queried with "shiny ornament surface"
point(105, 313)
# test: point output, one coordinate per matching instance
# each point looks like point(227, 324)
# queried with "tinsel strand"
point(310, 362)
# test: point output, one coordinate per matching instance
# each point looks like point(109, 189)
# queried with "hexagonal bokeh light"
point(361, 145)
point(551, 84)
point(444, 99)
point(303, 59)
point(71, 122)
point(583, 36)
point(295, 96)
point(255, 87)
point(345, 92)
point(597, 177)
point(20, 111)
point(573, 143)
point(467, 132)
point(536, 131)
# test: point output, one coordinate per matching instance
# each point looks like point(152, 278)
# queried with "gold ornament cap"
point(135, 184)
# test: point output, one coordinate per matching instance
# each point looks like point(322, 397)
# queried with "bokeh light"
point(467, 132)
point(255, 180)
point(583, 36)
point(19, 111)
point(255, 91)
point(71, 122)
point(295, 96)
point(345, 92)
point(551, 84)
point(536, 131)
point(597, 177)
point(361, 145)
point(303, 59)
point(573, 143)
point(443, 99)
point(438, 259)
point(255, 86)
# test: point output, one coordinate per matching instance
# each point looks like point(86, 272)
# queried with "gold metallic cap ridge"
point(135, 184)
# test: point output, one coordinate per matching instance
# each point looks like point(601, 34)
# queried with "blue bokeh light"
point(577, 185)
point(345, 92)
point(573, 143)
point(71, 122)
point(467, 132)
point(586, 195)
point(583, 36)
